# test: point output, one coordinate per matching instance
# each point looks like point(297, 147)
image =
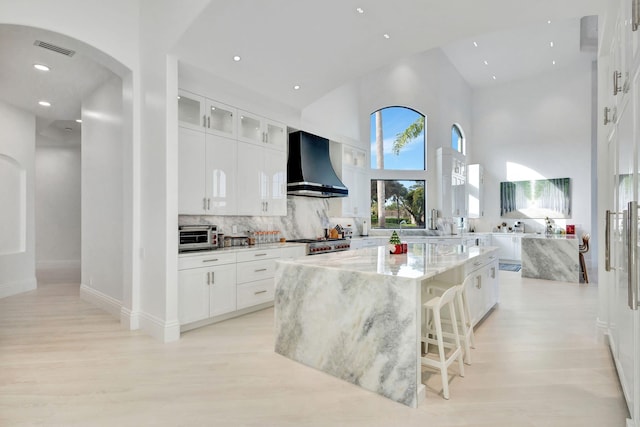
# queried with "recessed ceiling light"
point(550, 44)
point(41, 67)
point(236, 58)
point(178, 96)
point(44, 103)
point(79, 120)
point(386, 36)
point(296, 87)
point(553, 62)
point(485, 62)
point(549, 21)
point(493, 77)
point(359, 10)
point(475, 44)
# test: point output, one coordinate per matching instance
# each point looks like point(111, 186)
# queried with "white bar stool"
point(463, 312)
point(434, 306)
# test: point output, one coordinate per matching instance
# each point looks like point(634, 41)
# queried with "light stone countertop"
point(423, 260)
point(235, 249)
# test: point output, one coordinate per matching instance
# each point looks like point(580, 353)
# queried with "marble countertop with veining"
point(423, 260)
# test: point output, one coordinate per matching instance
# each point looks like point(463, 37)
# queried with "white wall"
point(57, 209)
point(102, 194)
point(536, 128)
point(17, 147)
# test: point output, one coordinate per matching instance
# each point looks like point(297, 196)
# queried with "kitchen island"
point(553, 257)
point(357, 315)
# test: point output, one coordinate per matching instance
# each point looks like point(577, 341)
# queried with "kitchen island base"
point(357, 315)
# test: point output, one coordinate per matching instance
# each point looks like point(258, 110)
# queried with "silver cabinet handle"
point(617, 75)
point(213, 277)
point(210, 260)
point(259, 254)
point(259, 270)
point(635, 15)
point(204, 121)
point(607, 240)
point(632, 252)
point(259, 292)
point(208, 204)
point(204, 203)
point(208, 278)
point(209, 122)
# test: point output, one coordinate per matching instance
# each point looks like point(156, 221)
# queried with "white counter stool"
point(463, 314)
point(432, 333)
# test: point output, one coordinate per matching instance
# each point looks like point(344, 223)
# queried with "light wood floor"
point(63, 362)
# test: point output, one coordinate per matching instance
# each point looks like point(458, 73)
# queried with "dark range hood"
point(309, 169)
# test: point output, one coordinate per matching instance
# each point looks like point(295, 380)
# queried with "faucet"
point(402, 222)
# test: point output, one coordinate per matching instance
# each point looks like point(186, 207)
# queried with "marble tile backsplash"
point(307, 217)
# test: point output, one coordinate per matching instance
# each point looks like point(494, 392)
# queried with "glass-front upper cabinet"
point(191, 110)
point(221, 119)
point(259, 130)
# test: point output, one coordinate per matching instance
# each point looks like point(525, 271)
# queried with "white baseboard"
point(129, 319)
point(97, 298)
point(13, 288)
point(159, 329)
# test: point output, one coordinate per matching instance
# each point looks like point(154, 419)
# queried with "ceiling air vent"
point(55, 48)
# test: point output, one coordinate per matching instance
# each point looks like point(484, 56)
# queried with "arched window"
point(457, 139)
point(398, 147)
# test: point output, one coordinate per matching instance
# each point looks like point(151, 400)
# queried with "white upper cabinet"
point(206, 174)
point(191, 172)
point(259, 130)
point(191, 111)
point(262, 181)
point(350, 163)
point(221, 119)
point(451, 178)
point(475, 191)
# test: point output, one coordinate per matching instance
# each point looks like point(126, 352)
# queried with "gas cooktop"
point(321, 246)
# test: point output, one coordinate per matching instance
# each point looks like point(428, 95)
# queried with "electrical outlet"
point(234, 229)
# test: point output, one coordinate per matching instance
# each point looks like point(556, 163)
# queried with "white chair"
point(433, 334)
point(463, 313)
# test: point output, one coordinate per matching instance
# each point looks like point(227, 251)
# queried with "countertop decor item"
point(395, 246)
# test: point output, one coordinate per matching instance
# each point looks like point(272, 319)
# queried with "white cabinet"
point(475, 191)
point(255, 273)
point(482, 290)
point(206, 173)
point(262, 181)
point(206, 287)
point(230, 162)
point(260, 130)
point(509, 245)
point(350, 163)
point(199, 113)
point(451, 182)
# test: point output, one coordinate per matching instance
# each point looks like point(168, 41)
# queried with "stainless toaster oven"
point(197, 237)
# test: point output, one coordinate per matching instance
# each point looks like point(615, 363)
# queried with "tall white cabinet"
point(619, 100)
point(350, 163)
point(451, 182)
point(475, 191)
point(231, 162)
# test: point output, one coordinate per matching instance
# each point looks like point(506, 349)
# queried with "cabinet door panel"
point(193, 295)
point(191, 111)
point(251, 186)
point(276, 134)
point(275, 176)
point(221, 175)
point(221, 119)
point(250, 128)
point(222, 295)
point(191, 171)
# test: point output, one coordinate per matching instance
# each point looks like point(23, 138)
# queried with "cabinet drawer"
point(256, 270)
point(205, 260)
point(259, 254)
point(255, 293)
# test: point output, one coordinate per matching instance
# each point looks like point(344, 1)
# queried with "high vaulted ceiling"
point(324, 44)
point(317, 45)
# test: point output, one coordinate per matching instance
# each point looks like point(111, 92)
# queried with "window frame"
point(463, 140)
point(402, 174)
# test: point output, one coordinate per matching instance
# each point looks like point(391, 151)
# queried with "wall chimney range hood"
point(309, 169)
